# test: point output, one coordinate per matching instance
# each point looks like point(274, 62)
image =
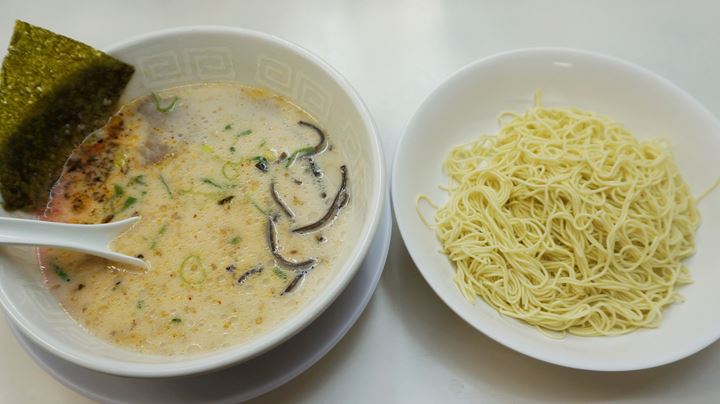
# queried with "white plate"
point(467, 104)
point(249, 379)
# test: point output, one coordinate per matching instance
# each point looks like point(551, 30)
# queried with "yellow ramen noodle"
point(565, 220)
point(243, 202)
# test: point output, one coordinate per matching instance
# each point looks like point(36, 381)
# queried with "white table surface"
point(408, 346)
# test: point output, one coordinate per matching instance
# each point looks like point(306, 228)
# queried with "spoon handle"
point(92, 239)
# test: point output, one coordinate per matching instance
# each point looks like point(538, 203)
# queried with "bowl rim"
point(224, 358)
point(404, 229)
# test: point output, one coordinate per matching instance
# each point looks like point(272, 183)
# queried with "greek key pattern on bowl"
point(296, 85)
point(216, 64)
point(186, 65)
point(275, 75)
point(211, 63)
point(352, 151)
point(162, 68)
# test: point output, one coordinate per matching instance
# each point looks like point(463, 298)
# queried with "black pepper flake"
point(314, 168)
point(73, 164)
point(78, 204)
point(230, 268)
point(140, 256)
point(99, 197)
point(225, 200)
point(81, 287)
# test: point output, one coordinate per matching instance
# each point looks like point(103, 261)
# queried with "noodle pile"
point(566, 221)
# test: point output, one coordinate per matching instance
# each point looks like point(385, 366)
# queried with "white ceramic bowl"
point(467, 104)
point(207, 54)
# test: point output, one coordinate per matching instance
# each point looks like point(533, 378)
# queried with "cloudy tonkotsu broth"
point(219, 175)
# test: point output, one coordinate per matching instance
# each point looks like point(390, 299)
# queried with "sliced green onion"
point(167, 187)
point(192, 270)
point(299, 153)
point(208, 149)
point(167, 108)
point(162, 231)
point(280, 273)
point(140, 179)
point(60, 272)
point(255, 204)
point(211, 183)
point(121, 161)
point(130, 201)
point(226, 170)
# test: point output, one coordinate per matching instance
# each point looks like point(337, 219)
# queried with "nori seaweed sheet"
point(54, 91)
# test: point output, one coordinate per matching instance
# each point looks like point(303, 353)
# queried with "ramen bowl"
point(194, 55)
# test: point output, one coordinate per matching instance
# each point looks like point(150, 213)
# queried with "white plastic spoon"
point(93, 239)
